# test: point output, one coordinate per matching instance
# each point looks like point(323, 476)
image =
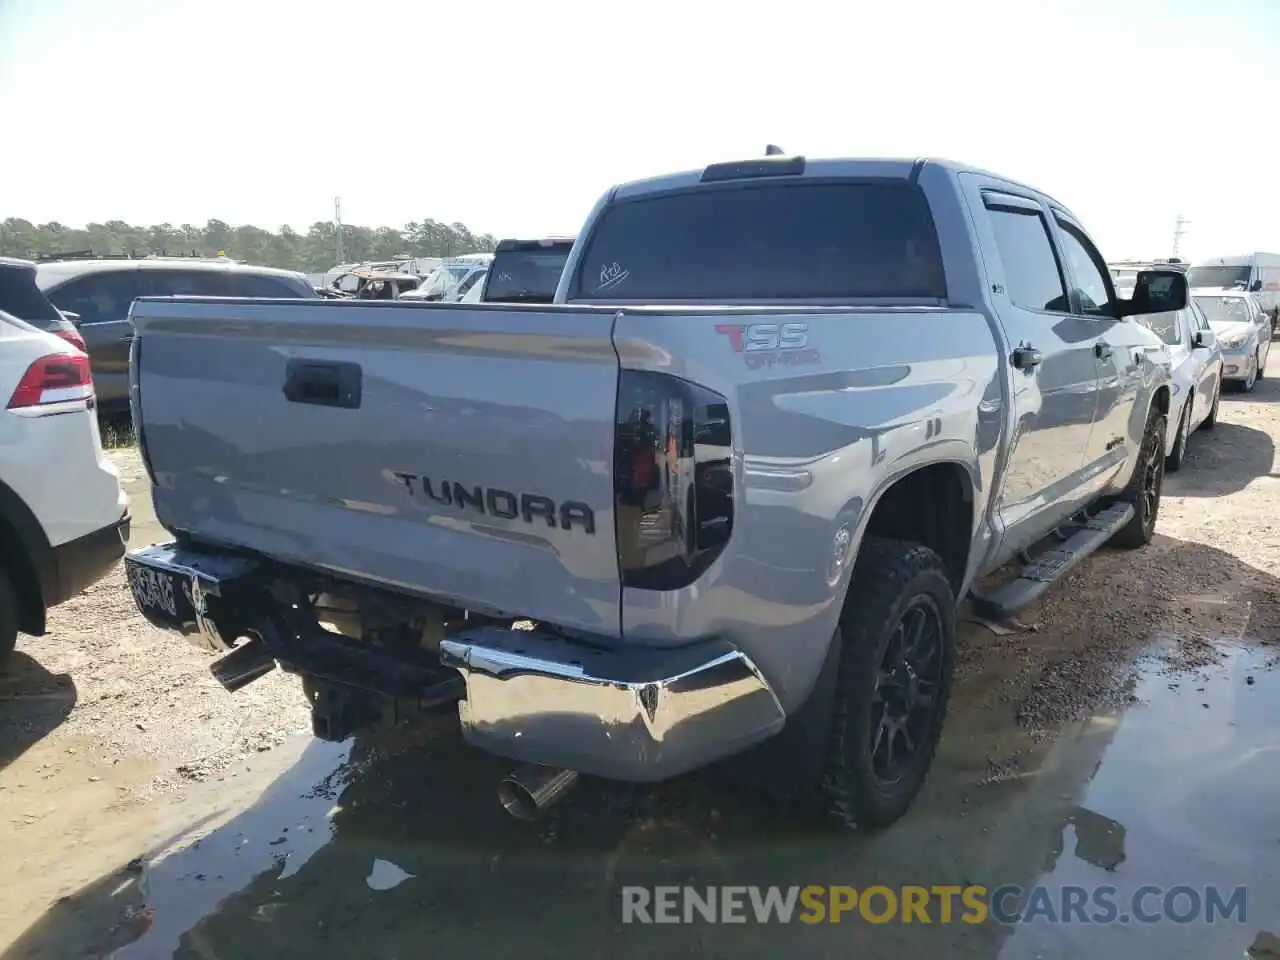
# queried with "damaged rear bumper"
point(633, 713)
point(630, 714)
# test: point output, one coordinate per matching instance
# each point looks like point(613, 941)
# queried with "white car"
point(1197, 366)
point(1243, 330)
point(452, 281)
point(64, 519)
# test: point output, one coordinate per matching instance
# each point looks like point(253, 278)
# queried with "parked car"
point(1256, 273)
point(372, 284)
point(1197, 375)
point(1125, 272)
point(99, 291)
point(1243, 330)
point(21, 297)
point(453, 279)
point(722, 496)
point(64, 519)
point(526, 271)
point(474, 294)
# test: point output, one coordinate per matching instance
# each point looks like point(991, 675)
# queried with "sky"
point(514, 116)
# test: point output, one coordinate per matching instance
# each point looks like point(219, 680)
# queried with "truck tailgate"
point(460, 452)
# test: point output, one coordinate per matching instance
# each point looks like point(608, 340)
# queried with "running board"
point(1052, 565)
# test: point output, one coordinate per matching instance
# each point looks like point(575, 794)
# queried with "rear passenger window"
point(1031, 273)
point(776, 241)
point(187, 283)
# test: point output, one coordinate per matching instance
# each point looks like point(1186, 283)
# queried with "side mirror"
point(1156, 291)
point(1201, 340)
point(1255, 286)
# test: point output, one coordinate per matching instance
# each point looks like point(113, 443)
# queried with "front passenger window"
point(1197, 315)
point(1092, 291)
point(1031, 273)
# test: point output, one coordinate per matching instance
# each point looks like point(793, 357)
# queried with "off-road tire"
point(8, 619)
point(1139, 531)
point(1173, 462)
point(1211, 420)
point(843, 791)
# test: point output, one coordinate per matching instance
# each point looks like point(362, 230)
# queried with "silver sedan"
point(1243, 331)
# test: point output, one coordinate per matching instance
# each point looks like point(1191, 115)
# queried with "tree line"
point(311, 252)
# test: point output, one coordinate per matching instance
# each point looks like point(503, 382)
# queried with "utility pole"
point(1179, 228)
point(337, 224)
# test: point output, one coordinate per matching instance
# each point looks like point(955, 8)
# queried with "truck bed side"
point(822, 431)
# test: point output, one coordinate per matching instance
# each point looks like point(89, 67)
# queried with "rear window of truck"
point(525, 275)
point(20, 297)
point(775, 241)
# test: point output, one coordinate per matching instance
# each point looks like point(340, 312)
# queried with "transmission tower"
point(1179, 228)
point(337, 224)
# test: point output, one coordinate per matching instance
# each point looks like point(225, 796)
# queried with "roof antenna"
point(773, 150)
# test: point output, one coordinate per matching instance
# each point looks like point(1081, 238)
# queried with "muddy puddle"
point(396, 847)
point(1183, 804)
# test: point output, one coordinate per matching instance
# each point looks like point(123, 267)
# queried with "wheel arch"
point(27, 557)
point(947, 492)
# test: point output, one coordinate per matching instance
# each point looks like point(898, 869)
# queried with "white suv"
point(64, 520)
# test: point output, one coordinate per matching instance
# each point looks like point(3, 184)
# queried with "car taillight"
point(72, 336)
point(672, 479)
point(55, 379)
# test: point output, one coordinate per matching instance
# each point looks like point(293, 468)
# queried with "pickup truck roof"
point(817, 169)
point(505, 246)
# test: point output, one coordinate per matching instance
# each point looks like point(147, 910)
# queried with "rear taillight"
point(72, 336)
point(54, 380)
point(672, 479)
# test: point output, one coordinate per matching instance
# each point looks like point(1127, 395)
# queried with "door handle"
point(323, 383)
point(1102, 350)
point(1027, 357)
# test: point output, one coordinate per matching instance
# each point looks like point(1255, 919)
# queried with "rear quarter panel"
point(819, 434)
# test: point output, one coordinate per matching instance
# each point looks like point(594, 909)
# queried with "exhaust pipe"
point(528, 791)
point(243, 665)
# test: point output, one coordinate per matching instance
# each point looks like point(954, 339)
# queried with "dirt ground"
point(146, 811)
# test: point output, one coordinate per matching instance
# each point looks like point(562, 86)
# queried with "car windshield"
point(443, 281)
point(1219, 275)
point(1226, 309)
point(1163, 325)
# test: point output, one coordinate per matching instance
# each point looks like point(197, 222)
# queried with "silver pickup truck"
point(719, 500)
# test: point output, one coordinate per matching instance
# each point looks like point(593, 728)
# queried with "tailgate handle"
point(323, 383)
